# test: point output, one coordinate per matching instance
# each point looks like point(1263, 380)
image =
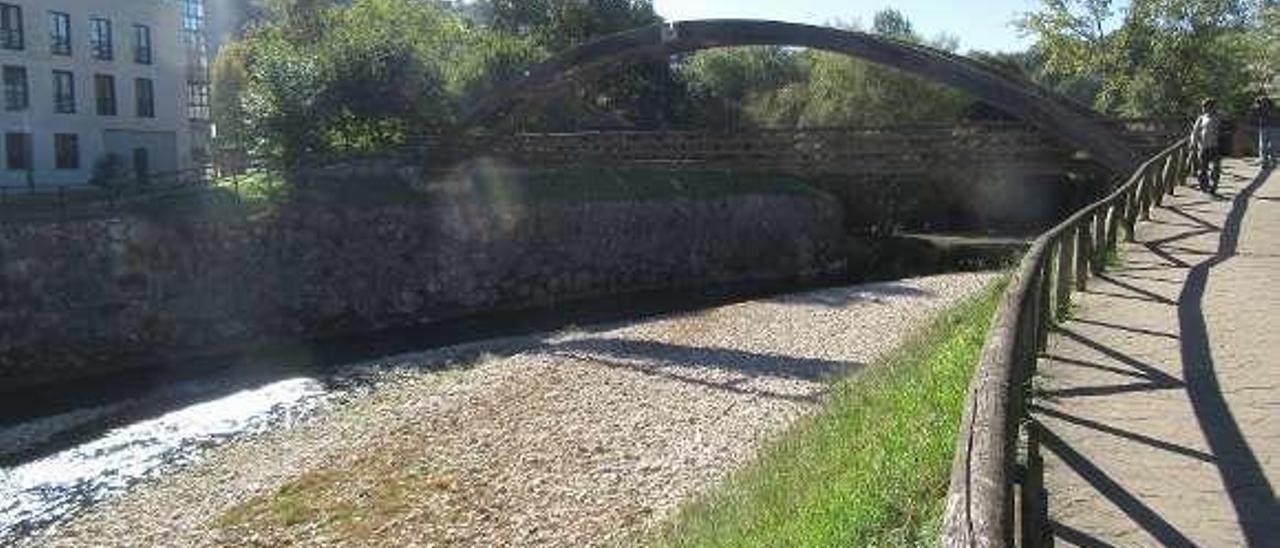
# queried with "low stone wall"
point(81, 298)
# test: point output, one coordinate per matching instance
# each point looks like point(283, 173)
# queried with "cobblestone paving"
point(1161, 400)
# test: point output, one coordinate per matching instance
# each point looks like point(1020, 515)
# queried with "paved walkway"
point(1161, 401)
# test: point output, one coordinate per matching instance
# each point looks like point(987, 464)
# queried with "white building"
point(83, 80)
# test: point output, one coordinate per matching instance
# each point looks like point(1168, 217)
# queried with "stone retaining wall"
point(81, 298)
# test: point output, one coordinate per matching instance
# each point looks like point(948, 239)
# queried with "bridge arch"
point(1056, 116)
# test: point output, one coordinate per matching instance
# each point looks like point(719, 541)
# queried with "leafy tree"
point(788, 88)
point(1126, 70)
point(320, 77)
point(560, 24)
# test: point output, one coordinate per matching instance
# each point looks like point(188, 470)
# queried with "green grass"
point(254, 186)
point(872, 468)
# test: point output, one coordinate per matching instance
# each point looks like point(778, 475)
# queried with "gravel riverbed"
point(594, 436)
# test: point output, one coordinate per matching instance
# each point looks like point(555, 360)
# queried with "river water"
point(59, 464)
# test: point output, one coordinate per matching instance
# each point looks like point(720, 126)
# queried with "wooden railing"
point(996, 496)
point(898, 150)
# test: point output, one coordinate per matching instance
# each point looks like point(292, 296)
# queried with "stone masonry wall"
point(81, 298)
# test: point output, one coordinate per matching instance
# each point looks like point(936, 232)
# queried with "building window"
point(104, 89)
point(64, 92)
point(59, 33)
point(193, 14)
point(197, 56)
point(100, 38)
point(197, 101)
point(146, 97)
point(17, 150)
point(142, 44)
point(66, 150)
point(10, 26)
point(15, 88)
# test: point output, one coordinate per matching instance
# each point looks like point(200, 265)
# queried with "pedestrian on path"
point(1205, 141)
point(1264, 116)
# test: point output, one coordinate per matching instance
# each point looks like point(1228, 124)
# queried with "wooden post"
point(1113, 228)
point(1147, 183)
point(1126, 219)
point(1066, 257)
point(1044, 311)
point(1099, 242)
point(1188, 163)
point(1166, 180)
point(1161, 175)
point(1083, 253)
point(1034, 511)
point(1027, 336)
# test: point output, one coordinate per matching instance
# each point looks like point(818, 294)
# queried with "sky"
point(978, 24)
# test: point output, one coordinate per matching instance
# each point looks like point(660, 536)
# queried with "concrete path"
point(1161, 400)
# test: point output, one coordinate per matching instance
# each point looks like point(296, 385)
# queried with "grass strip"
point(871, 468)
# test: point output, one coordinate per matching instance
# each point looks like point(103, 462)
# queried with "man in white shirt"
point(1204, 140)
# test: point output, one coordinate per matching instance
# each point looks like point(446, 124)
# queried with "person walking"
point(1205, 142)
point(1264, 116)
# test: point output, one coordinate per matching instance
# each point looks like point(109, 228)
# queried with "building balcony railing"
point(103, 52)
point(11, 38)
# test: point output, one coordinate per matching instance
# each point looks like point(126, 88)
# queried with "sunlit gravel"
point(593, 436)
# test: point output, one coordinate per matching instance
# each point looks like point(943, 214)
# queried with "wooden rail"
point(996, 497)
point(892, 151)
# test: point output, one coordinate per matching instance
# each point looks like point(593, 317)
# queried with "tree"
point(789, 88)
point(320, 77)
point(229, 78)
point(1152, 58)
point(560, 24)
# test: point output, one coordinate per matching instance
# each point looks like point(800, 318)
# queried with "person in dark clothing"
point(1264, 117)
point(1205, 141)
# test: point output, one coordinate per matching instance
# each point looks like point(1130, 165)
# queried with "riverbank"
point(827, 483)
point(590, 437)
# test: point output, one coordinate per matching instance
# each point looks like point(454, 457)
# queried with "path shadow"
point(1153, 378)
point(1103, 483)
point(1112, 295)
point(1076, 536)
point(1244, 480)
point(1119, 274)
point(1122, 433)
point(1148, 294)
point(1126, 328)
